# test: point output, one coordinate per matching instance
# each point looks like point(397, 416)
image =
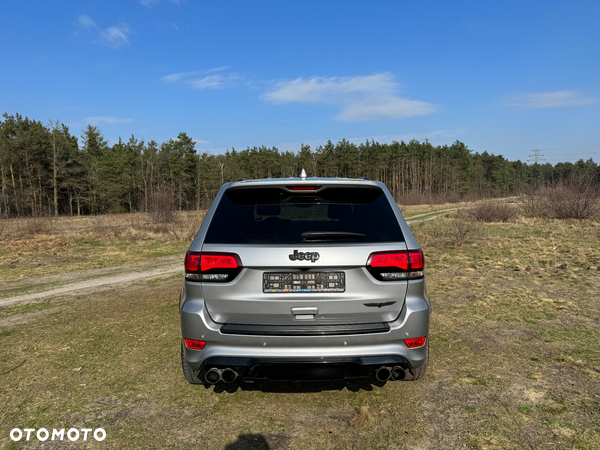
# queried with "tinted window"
point(275, 216)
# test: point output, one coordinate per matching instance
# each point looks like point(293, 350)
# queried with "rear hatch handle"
point(305, 313)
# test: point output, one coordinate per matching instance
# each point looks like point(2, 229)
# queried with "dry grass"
point(77, 243)
point(515, 361)
point(137, 226)
point(363, 418)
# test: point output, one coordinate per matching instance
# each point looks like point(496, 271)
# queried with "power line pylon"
point(536, 156)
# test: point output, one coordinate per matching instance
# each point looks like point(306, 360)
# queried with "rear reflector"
point(195, 345)
point(415, 342)
point(303, 188)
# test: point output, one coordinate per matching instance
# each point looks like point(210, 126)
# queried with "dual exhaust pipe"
point(385, 373)
point(214, 375)
point(229, 375)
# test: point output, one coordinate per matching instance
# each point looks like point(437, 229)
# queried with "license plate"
point(304, 282)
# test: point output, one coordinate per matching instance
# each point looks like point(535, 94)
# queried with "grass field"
point(32, 247)
point(515, 360)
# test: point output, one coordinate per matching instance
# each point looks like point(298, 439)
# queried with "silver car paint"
point(205, 306)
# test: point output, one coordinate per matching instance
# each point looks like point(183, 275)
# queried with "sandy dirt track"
point(95, 280)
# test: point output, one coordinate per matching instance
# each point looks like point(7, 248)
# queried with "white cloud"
point(175, 77)
point(217, 69)
point(322, 89)
point(360, 98)
point(115, 37)
point(209, 82)
point(86, 21)
point(556, 99)
point(384, 108)
point(100, 120)
point(214, 81)
point(201, 141)
point(191, 79)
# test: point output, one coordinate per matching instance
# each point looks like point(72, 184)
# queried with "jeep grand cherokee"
point(304, 278)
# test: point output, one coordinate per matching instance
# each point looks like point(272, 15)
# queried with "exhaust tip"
point(383, 373)
point(398, 373)
point(213, 376)
point(228, 375)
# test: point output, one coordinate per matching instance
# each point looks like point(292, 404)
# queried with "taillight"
point(192, 261)
point(396, 265)
point(212, 266)
point(218, 261)
point(398, 260)
point(194, 344)
point(416, 260)
point(415, 342)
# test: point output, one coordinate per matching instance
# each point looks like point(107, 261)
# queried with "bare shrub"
point(412, 197)
point(416, 197)
point(102, 227)
point(577, 199)
point(462, 228)
point(186, 226)
point(492, 211)
point(452, 197)
point(32, 226)
point(162, 206)
point(442, 199)
point(534, 204)
point(472, 197)
point(4, 228)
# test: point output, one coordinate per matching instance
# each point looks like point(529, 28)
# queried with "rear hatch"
point(303, 256)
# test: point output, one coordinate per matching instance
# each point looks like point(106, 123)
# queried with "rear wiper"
point(330, 235)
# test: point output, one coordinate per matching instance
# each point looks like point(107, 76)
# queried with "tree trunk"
point(54, 151)
point(12, 175)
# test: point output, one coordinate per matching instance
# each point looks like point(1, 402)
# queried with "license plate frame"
point(303, 282)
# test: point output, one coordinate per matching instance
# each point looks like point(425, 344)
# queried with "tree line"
point(47, 170)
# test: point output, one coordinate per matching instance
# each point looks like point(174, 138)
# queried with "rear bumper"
point(307, 368)
point(412, 322)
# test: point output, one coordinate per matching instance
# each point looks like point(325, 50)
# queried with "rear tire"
point(188, 372)
point(419, 372)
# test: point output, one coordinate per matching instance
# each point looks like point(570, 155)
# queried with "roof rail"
point(364, 178)
point(242, 179)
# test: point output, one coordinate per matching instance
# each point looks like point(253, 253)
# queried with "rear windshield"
point(275, 216)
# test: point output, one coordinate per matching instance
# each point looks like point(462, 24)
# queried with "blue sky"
point(506, 77)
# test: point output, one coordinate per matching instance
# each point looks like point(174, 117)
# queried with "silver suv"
point(304, 279)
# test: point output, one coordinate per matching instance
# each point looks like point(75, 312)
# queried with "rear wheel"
point(188, 372)
point(419, 372)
